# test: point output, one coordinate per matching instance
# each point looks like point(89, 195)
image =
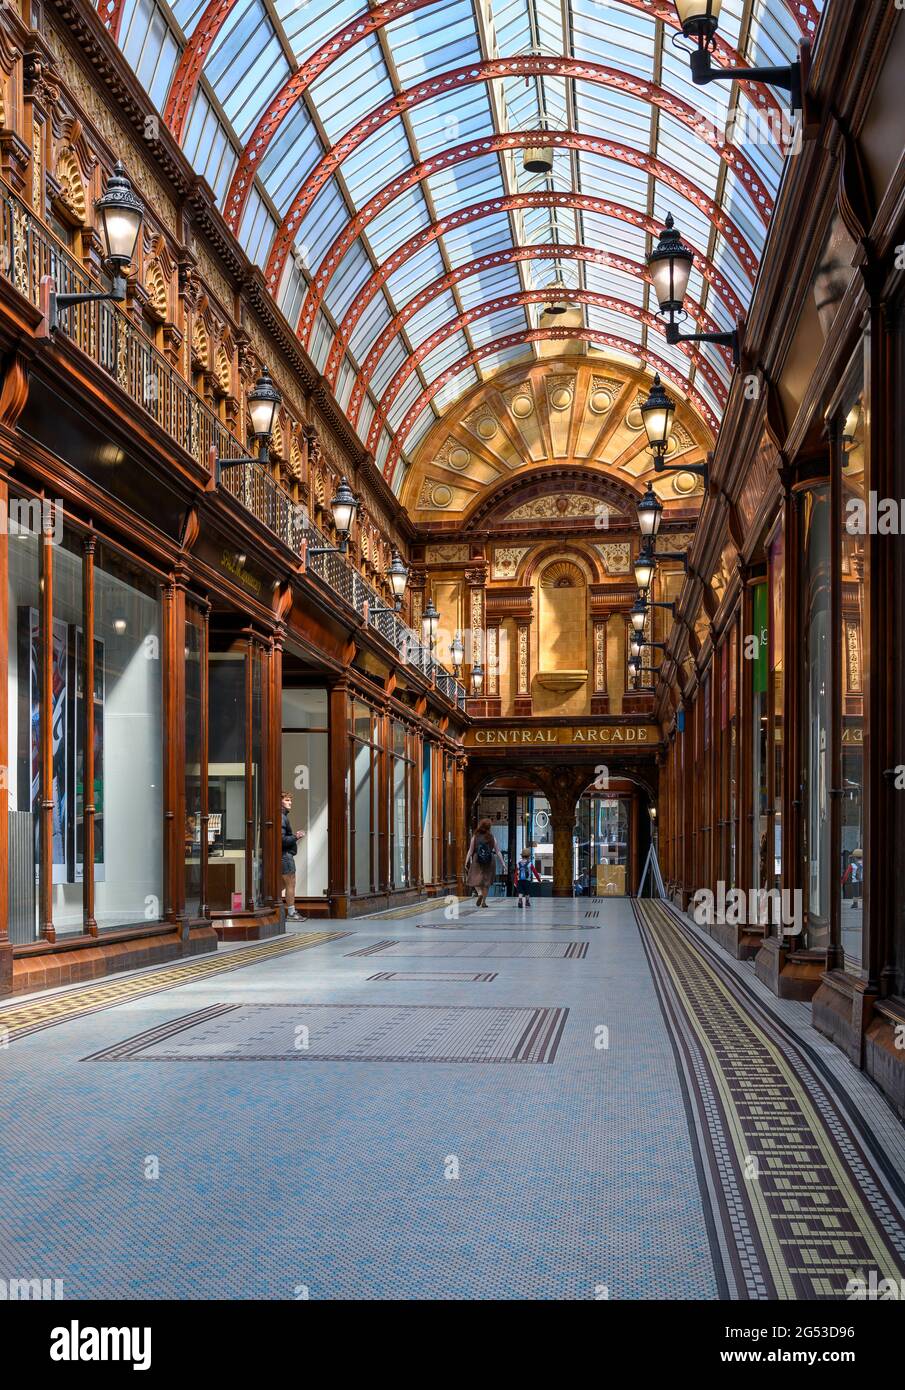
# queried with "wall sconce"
point(700, 21)
point(657, 413)
point(670, 265)
point(120, 213)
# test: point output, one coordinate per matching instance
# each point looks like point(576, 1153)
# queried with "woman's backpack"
point(484, 853)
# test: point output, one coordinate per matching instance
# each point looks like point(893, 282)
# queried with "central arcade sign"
point(619, 735)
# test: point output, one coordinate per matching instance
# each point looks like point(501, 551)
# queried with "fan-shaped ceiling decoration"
point(543, 420)
point(372, 160)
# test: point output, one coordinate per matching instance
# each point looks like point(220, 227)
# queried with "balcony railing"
point(28, 253)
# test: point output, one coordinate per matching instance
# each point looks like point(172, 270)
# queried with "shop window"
point(195, 660)
point(816, 710)
point(759, 733)
point(235, 776)
point(128, 844)
point(853, 473)
point(602, 847)
point(24, 732)
point(67, 727)
point(305, 774)
point(427, 815)
point(364, 827)
point(400, 784)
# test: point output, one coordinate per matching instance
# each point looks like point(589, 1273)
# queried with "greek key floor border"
point(796, 1199)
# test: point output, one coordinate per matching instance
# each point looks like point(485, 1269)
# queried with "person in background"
point(481, 860)
point(290, 849)
point(525, 876)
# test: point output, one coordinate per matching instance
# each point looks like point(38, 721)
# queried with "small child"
point(523, 878)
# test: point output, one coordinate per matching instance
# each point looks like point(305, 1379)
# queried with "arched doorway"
point(592, 842)
point(520, 817)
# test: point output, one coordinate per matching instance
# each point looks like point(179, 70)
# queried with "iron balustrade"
point(29, 252)
point(251, 484)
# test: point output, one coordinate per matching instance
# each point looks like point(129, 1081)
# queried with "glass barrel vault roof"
point(370, 159)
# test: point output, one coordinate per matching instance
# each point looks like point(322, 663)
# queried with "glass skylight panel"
point(420, 428)
point(622, 238)
point(494, 361)
point(308, 26)
point(602, 280)
point(369, 327)
point(321, 341)
point(419, 270)
point(701, 386)
point(451, 119)
point(737, 205)
point(613, 115)
point(498, 325)
point(344, 382)
point(383, 449)
point(292, 291)
point(450, 391)
point(444, 356)
point(351, 87)
point(548, 15)
point(512, 25)
point(327, 214)
point(258, 228)
point(435, 313)
point(246, 65)
point(207, 145)
point(433, 40)
point(472, 181)
point(489, 284)
point(609, 178)
point(353, 270)
point(726, 261)
point(377, 161)
point(366, 415)
point(619, 325)
point(389, 364)
point(290, 157)
point(406, 398)
point(477, 238)
point(150, 47)
point(625, 38)
point(773, 35)
point(687, 152)
point(187, 13)
point(398, 222)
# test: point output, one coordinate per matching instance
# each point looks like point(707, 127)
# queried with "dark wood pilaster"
point(338, 810)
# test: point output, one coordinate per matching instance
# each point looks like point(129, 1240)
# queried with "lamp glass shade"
point(344, 506)
point(558, 302)
point(634, 666)
point(639, 615)
point(457, 649)
point(120, 213)
point(657, 413)
point(477, 678)
point(699, 17)
point(398, 575)
point(429, 620)
point(645, 565)
point(636, 645)
point(670, 265)
point(650, 513)
point(264, 401)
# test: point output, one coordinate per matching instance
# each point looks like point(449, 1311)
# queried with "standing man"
point(290, 849)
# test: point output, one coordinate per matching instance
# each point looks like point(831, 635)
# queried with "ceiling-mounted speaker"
point(538, 159)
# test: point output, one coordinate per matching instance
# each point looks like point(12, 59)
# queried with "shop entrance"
point(603, 841)
point(603, 845)
point(518, 819)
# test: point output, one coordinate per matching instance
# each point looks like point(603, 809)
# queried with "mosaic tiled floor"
point(611, 1165)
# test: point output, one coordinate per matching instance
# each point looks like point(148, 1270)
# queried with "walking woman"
point(481, 861)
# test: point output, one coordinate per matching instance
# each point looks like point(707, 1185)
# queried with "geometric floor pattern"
point(350, 1032)
point(802, 1205)
point(615, 1168)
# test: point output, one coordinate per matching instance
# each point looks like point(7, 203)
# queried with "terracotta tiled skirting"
point(71, 963)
